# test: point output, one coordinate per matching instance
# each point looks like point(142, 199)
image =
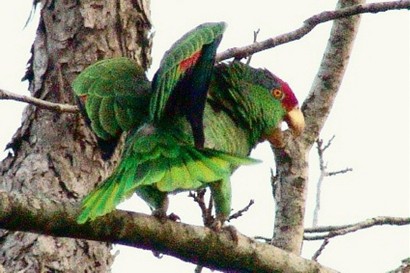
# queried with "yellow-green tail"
point(158, 160)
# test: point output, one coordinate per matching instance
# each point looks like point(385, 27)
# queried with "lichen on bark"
point(53, 154)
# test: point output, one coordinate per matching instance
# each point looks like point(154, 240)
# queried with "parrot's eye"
point(277, 93)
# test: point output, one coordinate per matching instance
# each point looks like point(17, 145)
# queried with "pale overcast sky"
point(370, 120)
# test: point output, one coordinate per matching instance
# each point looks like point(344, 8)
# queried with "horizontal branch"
point(333, 231)
point(58, 107)
point(345, 170)
point(308, 25)
point(193, 244)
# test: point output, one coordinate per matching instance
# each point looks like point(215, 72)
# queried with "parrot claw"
point(218, 226)
point(233, 232)
point(174, 217)
point(162, 216)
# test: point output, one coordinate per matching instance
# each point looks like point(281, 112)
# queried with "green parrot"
point(188, 129)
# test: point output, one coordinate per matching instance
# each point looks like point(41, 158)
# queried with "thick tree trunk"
point(290, 183)
point(54, 155)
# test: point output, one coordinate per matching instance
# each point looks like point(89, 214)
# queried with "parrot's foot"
point(162, 216)
point(233, 232)
point(174, 217)
point(276, 138)
point(218, 226)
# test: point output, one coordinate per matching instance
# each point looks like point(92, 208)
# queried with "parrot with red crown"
point(190, 128)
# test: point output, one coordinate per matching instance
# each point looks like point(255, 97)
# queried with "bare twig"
point(308, 25)
point(206, 210)
point(324, 148)
point(321, 248)
point(199, 198)
point(255, 39)
point(58, 107)
point(239, 213)
point(346, 170)
point(321, 148)
point(322, 167)
point(333, 231)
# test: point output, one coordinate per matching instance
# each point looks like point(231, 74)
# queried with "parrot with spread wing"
point(188, 129)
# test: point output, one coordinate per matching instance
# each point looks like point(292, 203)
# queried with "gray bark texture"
point(54, 155)
point(198, 245)
point(290, 182)
point(55, 158)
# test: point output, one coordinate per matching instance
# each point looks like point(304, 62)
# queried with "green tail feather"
point(158, 159)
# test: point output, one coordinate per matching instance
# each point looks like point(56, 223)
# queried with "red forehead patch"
point(289, 101)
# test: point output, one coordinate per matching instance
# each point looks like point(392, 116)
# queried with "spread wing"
point(181, 83)
point(112, 95)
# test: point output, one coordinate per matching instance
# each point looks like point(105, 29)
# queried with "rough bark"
point(290, 182)
point(200, 245)
point(54, 155)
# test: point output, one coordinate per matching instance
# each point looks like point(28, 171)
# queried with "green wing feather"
point(160, 160)
point(113, 94)
point(177, 61)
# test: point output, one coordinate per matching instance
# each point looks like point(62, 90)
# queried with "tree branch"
point(343, 171)
point(308, 25)
point(58, 107)
point(321, 148)
point(333, 231)
point(193, 244)
point(344, 229)
point(240, 212)
point(292, 161)
point(403, 268)
point(321, 248)
point(199, 198)
point(325, 87)
point(241, 52)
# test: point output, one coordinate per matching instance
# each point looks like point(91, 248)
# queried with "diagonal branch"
point(193, 244)
point(308, 25)
point(241, 52)
point(240, 212)
point(320, 250)
point(292, 161)
point(328, 79)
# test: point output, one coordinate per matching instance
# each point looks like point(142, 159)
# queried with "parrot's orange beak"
point(296, 122)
